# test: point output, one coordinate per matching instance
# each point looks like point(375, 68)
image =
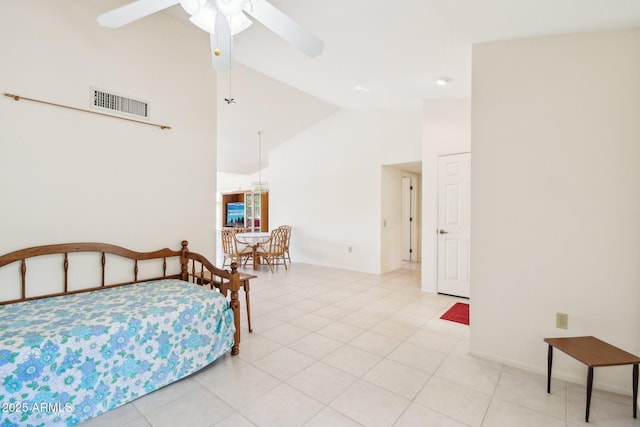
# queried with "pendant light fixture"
point(259, 186)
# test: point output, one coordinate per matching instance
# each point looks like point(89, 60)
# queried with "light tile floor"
point(339, 348)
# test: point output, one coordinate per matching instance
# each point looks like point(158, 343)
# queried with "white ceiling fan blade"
point(133, 11)
point(285, 27)
point(221, 44)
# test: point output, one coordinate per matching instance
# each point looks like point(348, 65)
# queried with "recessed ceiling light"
point(362, 89)
point(442, 81)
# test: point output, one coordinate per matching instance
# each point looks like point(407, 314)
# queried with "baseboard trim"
point(557, 374)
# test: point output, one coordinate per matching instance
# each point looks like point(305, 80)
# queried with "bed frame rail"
point(192, 269)
point(66, 248)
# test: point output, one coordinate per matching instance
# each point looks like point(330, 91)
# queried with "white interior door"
point(454, 179)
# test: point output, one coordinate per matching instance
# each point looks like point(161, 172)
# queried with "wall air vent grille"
point(119, 104)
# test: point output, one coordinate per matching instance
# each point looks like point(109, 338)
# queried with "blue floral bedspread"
point(69, 358)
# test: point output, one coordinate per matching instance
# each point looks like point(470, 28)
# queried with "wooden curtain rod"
point(18, 98)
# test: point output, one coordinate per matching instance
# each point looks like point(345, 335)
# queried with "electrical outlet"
point(562, 320)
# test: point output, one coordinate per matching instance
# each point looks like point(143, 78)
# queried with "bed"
point(76, 352)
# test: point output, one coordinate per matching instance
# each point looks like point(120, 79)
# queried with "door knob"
point(443, 232)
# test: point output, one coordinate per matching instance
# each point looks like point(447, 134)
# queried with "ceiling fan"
point(221, 19)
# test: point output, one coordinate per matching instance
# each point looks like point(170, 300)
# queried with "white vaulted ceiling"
point(394, 50)
point(262, 103)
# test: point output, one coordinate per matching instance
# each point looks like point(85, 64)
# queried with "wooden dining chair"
point(287, 228)
point(232, 249)
point(273, 251)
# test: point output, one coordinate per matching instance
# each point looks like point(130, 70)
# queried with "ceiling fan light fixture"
point(192, 7)
point(205, 19)
point(230, 8)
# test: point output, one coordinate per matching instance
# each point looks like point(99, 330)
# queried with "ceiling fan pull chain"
point(216, 51)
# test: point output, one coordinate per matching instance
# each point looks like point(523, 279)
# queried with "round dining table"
point(253, 239)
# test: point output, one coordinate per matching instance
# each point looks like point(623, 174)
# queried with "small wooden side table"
point(204, 278)
point(593, 352)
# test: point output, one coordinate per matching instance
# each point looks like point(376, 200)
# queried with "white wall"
point(72, 176)
point(556, 198)
point(446, 130)
point(326, 183)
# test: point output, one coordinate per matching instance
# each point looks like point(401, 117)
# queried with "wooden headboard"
point(193, 267)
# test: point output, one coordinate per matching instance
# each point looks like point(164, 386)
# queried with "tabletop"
point(253, 238)
point(593, 352)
